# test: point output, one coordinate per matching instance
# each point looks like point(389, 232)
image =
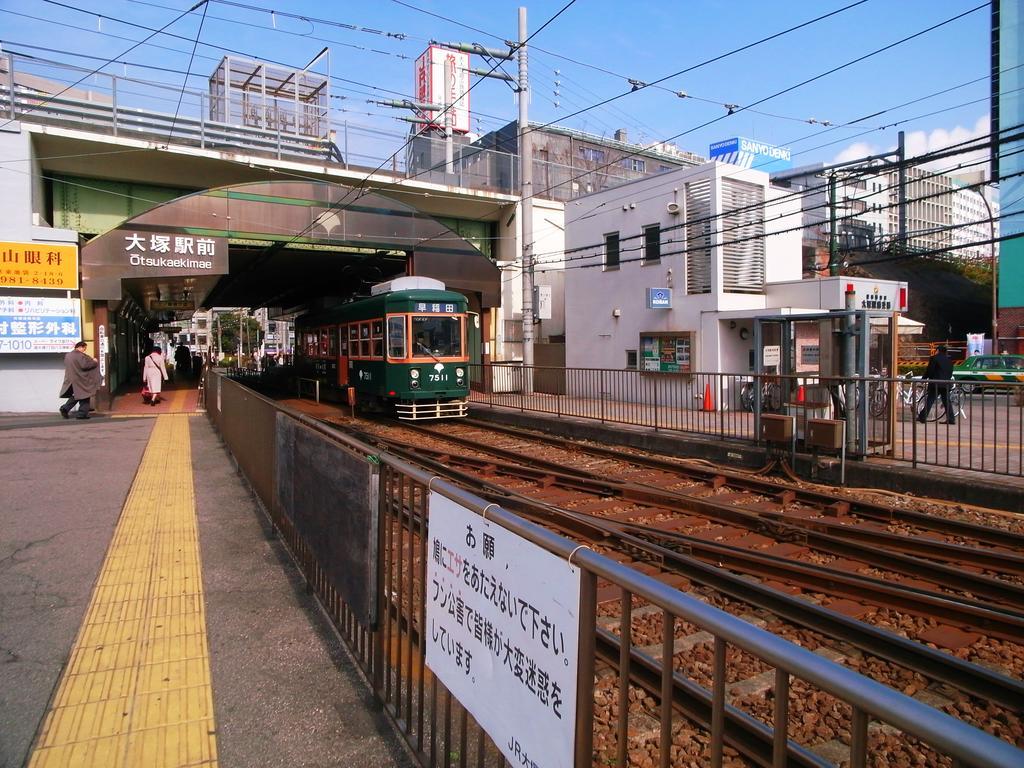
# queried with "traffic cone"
point(800, 396)
point(708, 404)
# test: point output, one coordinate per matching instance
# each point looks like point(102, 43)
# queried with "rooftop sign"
point(748, 153)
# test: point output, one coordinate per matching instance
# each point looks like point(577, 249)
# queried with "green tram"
point(402, 350)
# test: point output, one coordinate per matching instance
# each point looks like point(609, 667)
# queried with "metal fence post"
point(584, 757)
point(202, 120)
point(10, 84)
point(113, 103)
point(656, 414)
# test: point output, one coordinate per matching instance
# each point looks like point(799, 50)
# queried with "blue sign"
point(31, 324)
point(659, 298)
point(748, 153)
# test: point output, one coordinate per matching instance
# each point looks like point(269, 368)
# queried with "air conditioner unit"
point(673, 209)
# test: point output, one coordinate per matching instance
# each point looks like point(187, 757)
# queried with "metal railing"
point(39, 91)
point(988, 433)
point(391, 647)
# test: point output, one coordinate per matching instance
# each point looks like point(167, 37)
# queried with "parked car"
point(989, 368)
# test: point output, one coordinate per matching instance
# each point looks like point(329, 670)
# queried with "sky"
point(588, 53)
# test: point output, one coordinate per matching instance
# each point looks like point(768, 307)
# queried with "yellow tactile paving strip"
point(136, 690)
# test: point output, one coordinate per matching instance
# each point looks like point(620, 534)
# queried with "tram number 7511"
point(437, 377)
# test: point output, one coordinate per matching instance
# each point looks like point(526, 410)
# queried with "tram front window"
point(436, 336)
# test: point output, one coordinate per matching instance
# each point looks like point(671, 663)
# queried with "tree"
point(234, 337)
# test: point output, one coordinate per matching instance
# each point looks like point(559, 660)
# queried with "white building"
point(975, 220)
point(668, 273)
point(942, 211)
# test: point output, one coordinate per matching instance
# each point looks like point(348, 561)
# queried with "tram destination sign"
point(502, 633)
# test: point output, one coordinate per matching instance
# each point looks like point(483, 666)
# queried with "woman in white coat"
point(154, 373)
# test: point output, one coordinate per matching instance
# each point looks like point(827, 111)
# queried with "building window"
point(635, 164)
point(592, 155)
point(652, 244)
point(201, 323)
point(271, 327)
point(611, 250)
point(201, 340)
point(631, 359)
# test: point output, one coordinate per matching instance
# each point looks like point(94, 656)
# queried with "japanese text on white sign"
point(502, 633)
point(38, 324)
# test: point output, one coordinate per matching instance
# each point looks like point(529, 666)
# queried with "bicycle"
point(771, 395)
point(913, 392)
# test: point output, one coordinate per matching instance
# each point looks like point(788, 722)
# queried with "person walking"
point(938, 373)
point(183, 361)
point(154, 373)
point(81, 380)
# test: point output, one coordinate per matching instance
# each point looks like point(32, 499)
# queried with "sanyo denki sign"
point(748, 153)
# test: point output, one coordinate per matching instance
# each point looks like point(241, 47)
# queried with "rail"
point(390, 646)
point(986, 433)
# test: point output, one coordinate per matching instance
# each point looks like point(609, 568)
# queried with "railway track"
point(964, 575)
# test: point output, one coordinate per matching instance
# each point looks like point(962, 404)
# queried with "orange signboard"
point(38, 265)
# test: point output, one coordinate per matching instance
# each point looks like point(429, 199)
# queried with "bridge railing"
point(390, 646)
point(35, 90)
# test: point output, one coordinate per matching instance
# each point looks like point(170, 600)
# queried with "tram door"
point(342, 332)
point(473, 348)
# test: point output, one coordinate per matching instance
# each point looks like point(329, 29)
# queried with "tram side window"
point(396, 337)
point(310, 344)
point(364, 339)
point(377, 335)
point(332, 334)
point(353, 340)
point(436, 336)
point(325, 342)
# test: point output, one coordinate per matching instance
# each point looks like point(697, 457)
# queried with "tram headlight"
point(414, 374)
point(414, 384)
point(459, 372)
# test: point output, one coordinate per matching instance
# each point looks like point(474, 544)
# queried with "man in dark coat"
point(940, 369)
point(81, 380)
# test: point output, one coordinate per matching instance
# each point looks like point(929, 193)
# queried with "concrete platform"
point(284, 691)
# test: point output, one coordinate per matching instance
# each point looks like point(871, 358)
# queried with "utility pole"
point(449, 123)
point(902, 192)
point(526, 204)
point(833, 241)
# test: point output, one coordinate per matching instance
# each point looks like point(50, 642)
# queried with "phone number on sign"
point(36, 345)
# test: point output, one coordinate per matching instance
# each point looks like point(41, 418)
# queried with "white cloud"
point(922, 142)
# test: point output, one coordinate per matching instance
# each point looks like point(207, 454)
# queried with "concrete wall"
point(16, 184)
point(28, 382)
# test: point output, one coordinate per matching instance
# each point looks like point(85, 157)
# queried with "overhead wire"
point(788, 89)
point(794, 86)
point(797, 194)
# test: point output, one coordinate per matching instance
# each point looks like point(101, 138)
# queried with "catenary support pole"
point(849, 371)
point(902, 191)
point(526, 204)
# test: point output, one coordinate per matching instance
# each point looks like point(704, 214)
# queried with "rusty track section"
point(786, 493)
point(706, 563)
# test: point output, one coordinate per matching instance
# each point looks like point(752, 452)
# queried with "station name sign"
point(123, 254)
point(172, 251)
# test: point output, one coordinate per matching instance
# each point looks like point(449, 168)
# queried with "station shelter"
point(812, 365)
point(289, 246)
